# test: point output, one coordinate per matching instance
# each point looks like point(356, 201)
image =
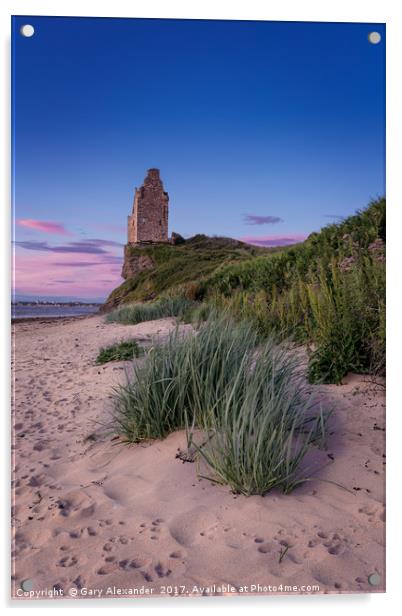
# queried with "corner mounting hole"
point(374, 38)
point(27, 30)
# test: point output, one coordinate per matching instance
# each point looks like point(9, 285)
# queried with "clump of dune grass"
point(137, 313)
point(250, 401)
point(181, 378)
point(126, 350)
point(263, 427)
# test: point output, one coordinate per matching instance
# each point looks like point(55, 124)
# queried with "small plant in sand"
point(126, 350)
point(137, 313)
point(251, 403)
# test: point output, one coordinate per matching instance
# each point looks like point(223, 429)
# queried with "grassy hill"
point(181, 268)
point(327, 292)
point(347, 240)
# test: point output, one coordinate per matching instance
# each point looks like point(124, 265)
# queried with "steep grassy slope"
point(329, 291)
point(181, 267)
point(347, 240)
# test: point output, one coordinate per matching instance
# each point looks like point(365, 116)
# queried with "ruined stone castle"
point(149, 220)
point(148, 224)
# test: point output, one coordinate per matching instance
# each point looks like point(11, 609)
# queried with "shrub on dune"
point(250, 402)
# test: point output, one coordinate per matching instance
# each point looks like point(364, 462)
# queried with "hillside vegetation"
point(328, 292)
point(181, 266)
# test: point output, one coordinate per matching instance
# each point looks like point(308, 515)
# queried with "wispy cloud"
point(76, 264)
point(94, 276)
point(252, 219)
point(107, 260)
point(274, 240)
point(44, 226)
point(108, 227)
point(92, 246)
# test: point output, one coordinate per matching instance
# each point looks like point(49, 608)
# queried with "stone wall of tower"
point(149, 219)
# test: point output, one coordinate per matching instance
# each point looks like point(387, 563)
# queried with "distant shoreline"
point(57, 304)
point(49, 319)
point(51, 311)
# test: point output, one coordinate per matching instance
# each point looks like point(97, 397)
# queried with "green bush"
point(348, 322)
point(251, 403)
point(121, 351)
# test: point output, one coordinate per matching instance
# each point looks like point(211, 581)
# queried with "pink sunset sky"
point(274, 240)
point(51, 260)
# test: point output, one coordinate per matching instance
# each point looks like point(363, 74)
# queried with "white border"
point(284, 10)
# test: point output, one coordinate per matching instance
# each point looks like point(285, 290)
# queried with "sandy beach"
point(96, 517)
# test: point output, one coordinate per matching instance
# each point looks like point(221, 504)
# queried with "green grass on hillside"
point(348, 239)
point(328, 291)
point(181, 268)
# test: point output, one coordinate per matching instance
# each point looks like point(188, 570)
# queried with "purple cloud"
point(252, 219)
point(274, 240)
point(107, 260)
point(91, 247)
point(112, 260)
point(76, 263)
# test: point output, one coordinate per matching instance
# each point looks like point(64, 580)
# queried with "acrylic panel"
point(198, 308)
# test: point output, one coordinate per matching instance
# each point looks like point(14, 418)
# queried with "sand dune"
point(108, 519)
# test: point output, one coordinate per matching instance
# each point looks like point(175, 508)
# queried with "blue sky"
point(260, 130)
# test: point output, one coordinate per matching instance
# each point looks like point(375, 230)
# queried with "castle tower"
point(149, 219)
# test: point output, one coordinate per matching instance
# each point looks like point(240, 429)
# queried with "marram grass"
point(131, 314)
point(250, 401)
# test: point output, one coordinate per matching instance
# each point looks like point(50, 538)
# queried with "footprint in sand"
point(79, 582)
point(335, 545)
point(162, 570)
point(68, 561)
point(135, 563)
point(154, 529)
point(369, 511)
point(76, 503)
point(103, 523)
point(106, 569)
point(264, 548)
point(185, 528)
